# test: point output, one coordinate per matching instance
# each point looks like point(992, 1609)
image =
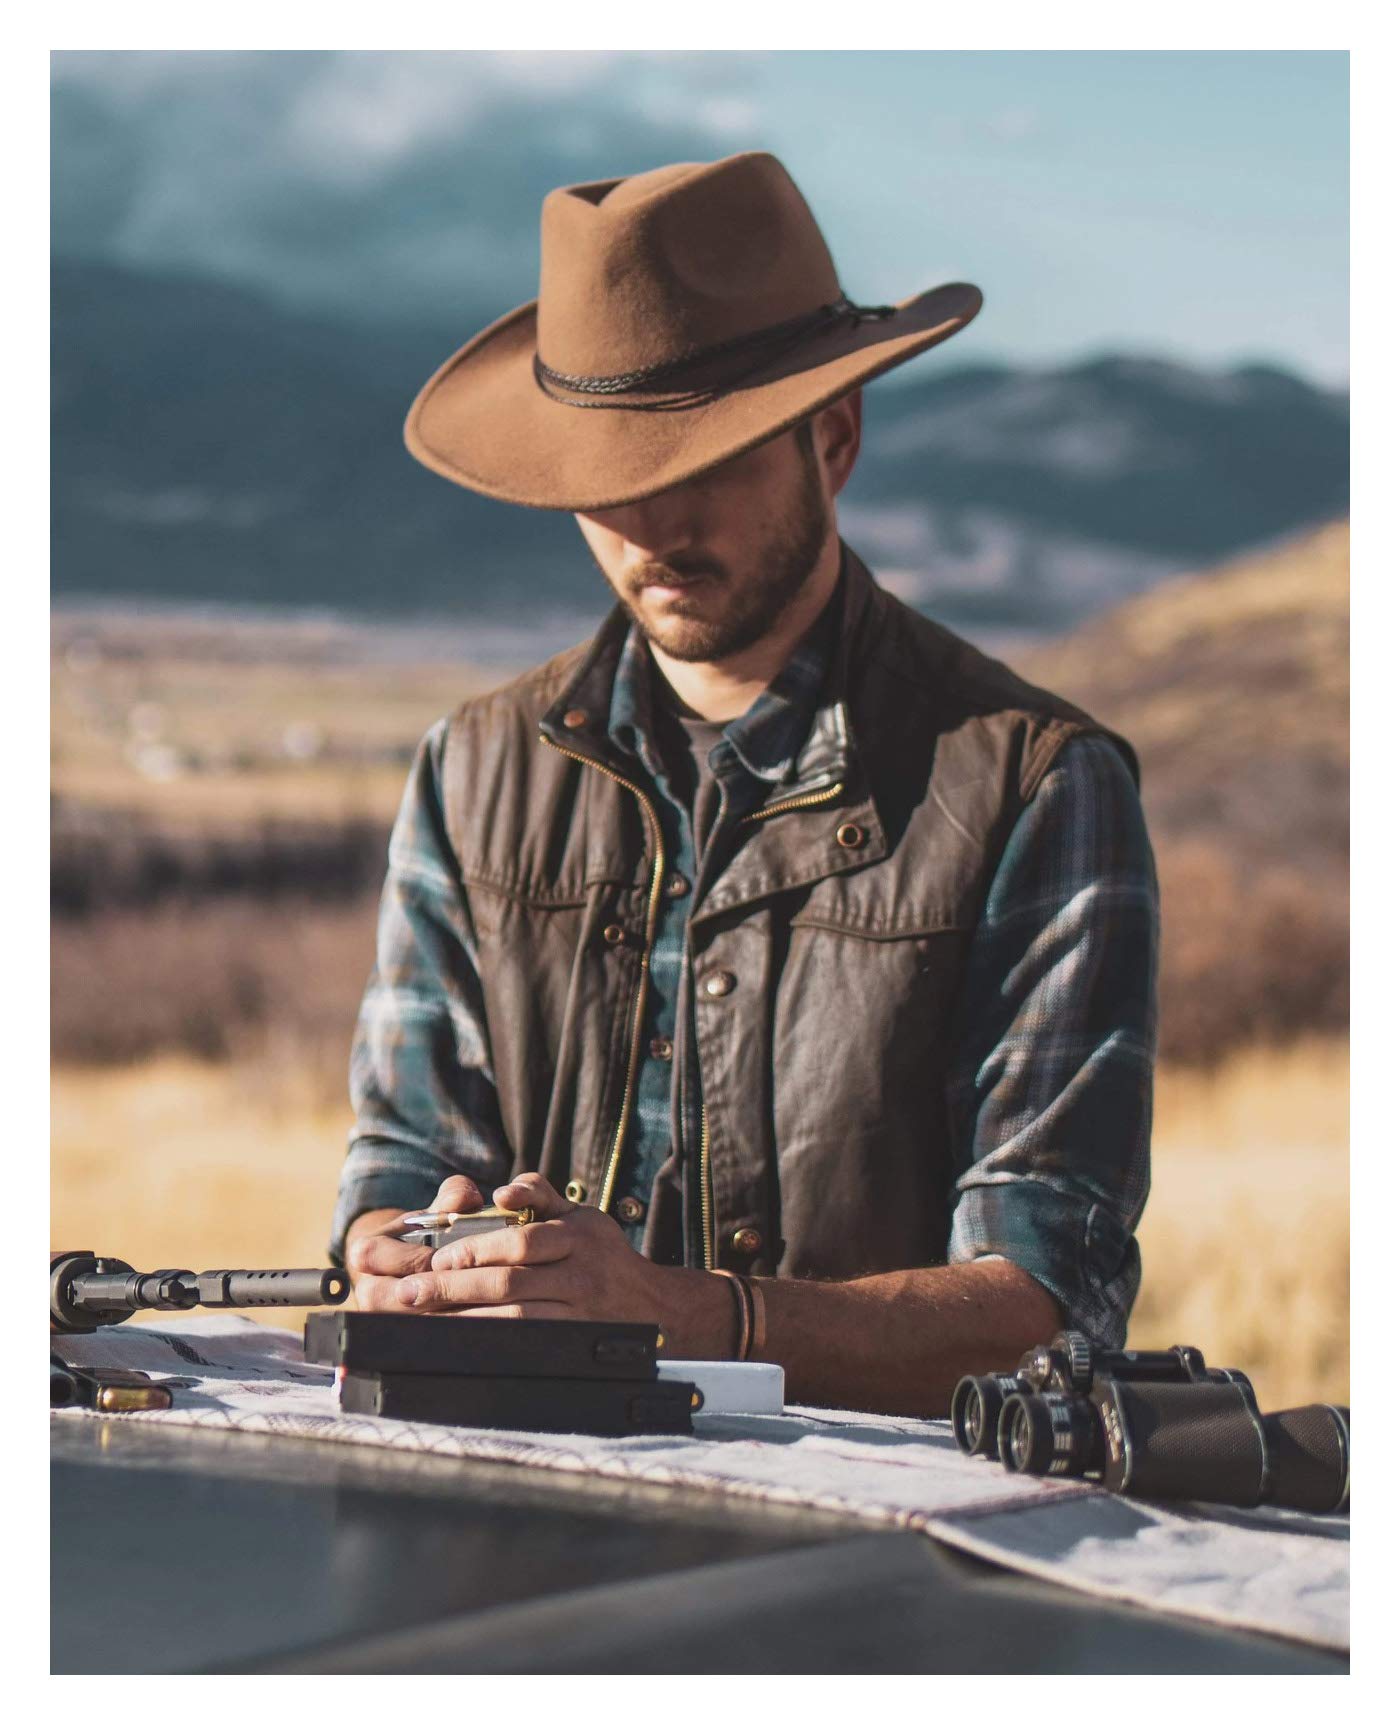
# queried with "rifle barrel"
point(86, 1291)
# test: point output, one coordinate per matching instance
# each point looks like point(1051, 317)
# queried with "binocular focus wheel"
point(1079, 1353)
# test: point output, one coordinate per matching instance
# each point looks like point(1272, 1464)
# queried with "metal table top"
point(182, 1550)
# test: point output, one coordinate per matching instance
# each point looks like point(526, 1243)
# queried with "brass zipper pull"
point(810, 801)
point(707, 1195)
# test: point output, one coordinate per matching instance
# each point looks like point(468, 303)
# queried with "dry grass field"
point(1245, 1240)
point(215, 723)
point(214, 1164)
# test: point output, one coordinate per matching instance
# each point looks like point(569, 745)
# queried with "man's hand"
point(377, 1259)
point(571, 1262)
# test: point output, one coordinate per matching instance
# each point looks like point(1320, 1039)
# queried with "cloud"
point(1012, 126)
point(728, 116)
point(360, 116)
point(1003, 129)
point(365, 180)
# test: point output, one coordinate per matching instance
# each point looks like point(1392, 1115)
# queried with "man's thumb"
point(458, 1193)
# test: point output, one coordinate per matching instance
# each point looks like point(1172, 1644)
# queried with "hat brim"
point(483, 421)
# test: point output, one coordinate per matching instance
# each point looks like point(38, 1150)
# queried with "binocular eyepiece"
point(1154, 1424)
point(1053, 1433)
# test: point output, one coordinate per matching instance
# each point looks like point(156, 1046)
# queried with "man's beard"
point(785, 561)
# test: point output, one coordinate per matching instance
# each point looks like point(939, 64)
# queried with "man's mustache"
point(675, 572)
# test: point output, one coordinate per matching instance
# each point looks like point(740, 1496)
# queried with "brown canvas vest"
point(827, 951)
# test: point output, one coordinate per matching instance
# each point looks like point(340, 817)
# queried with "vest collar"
point(587, 720)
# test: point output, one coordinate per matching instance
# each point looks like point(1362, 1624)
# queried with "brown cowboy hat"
point(685, 315)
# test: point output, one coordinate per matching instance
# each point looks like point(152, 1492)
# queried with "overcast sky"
point(1192, 205)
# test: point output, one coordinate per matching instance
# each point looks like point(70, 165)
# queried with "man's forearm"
point(899, 1342)
point(895, 1343)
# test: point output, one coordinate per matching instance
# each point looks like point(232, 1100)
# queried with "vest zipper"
point(707, 1196)
point(807, 802)
point(658, 871)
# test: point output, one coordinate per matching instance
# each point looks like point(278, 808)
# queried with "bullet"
point(127, 1399)
point(449, 1218)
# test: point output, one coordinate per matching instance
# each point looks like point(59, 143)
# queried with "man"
point(791, 959)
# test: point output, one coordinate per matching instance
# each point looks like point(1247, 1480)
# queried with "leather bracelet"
point(759, 1316)
point(743, 1305)
point(746, 1289)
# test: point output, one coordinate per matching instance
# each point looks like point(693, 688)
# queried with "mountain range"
point(211, 445)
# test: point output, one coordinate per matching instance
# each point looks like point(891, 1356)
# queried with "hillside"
point(209, 444)
point(1234, 687)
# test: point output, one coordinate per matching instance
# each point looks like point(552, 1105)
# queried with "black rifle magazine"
point(481, 1347)
point(598, 1406)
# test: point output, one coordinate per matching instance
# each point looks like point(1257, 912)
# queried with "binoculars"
point(1158, 1424)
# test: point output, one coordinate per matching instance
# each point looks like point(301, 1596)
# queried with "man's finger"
point(525, 1309)
point(532, 1191)
point(535, 1243)
point(457, 1192)
point(381, 1255)
point(492, 1285)
point(379, 1294)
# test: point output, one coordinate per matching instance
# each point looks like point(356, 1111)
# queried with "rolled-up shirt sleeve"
point(421, 1079)
point(1051, 1091)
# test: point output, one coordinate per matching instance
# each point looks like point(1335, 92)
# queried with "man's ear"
point(836, 438)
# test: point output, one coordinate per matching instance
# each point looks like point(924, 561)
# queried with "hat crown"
point(640, 271)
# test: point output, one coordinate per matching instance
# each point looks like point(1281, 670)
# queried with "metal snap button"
point(719, 982)
point(662, 1048)
point(849, 836)
point(677, 886)
point(574, 718)
point(576, 1191)
point(748, 1241)
point(614, 934)
point(630, 1210)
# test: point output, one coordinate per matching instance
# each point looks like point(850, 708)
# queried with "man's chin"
point(680, 628)
point(690, 642)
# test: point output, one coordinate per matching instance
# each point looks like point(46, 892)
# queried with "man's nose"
point(658, 527)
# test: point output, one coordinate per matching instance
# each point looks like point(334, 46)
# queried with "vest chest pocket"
point(526, 957)
point(551, 962)
point(524, 919)
point(556, 984)
point(877, 1006)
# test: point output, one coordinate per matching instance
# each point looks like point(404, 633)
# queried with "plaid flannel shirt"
point(1051, 1087)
